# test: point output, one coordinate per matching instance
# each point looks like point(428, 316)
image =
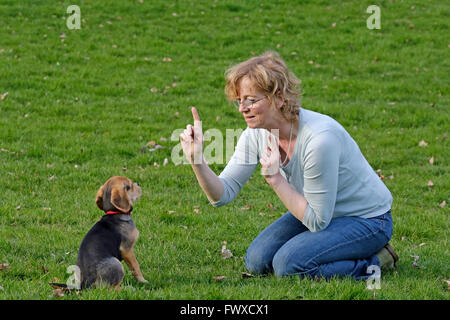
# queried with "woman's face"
point(261, 114)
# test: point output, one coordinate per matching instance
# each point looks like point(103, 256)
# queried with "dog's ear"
point(120, 199)
point(99, 198)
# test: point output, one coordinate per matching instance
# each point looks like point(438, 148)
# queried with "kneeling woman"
point(339, 220)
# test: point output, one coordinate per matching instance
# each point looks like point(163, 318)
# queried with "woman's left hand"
point(270, 162)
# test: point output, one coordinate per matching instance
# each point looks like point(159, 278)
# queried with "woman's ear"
point(279, 99)
point(99, 198)
point(120, 199)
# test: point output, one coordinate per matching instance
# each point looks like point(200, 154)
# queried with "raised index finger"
point(197, 122)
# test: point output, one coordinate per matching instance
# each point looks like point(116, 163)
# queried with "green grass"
point(80, 108)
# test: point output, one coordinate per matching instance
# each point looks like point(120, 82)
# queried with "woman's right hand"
point(192, 140)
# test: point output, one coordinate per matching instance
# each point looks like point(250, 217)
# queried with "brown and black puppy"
point(112, 238)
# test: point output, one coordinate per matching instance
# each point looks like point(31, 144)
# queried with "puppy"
point(112, 238)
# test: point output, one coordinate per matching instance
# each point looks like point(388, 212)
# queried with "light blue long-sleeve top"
point(327, 168)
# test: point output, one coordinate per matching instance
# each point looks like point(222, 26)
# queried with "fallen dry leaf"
point(443, 204)
point(3, 96)
point(246, 275)
point(270, 206)
point(379, 174)
point(415, 263)
point(219, 278)
point(430, 183)
point(431, 161)
point(58, 293)
point(420, 245)
point(4, 266)
point(167, 59)
point(422, 143)
point(226, 253)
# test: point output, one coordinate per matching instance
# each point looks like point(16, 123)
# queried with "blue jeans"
point(346, 247)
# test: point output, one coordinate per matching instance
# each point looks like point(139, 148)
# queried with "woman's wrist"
point(275, 179)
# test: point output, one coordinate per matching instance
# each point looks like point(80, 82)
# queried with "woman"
point(338, 221)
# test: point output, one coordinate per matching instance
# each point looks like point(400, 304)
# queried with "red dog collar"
point(117, 212)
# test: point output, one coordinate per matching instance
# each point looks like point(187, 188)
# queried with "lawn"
point(80, 106)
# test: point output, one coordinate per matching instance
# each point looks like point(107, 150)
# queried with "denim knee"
point(285, 264)
point(257, 262)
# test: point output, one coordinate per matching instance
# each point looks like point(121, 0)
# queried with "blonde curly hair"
point(269, 74)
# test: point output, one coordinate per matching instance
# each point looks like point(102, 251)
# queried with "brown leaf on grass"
point(7, 151)
point(152, 145)
point(443, 204)
point(420, 245)
point(246, 275)
point(422, 143)
point(3, 96)
point(431, 161)
point(379, 174)
point(246, 207)
point(415, 263)
point(226, 253)
point(4, 266)
point(219, 278)
point(167, 59)
point(430, 183)
point(58, 293)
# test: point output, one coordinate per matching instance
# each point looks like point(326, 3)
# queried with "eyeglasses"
point(247, 103)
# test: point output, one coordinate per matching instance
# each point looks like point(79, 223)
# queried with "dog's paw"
point(141, 280)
